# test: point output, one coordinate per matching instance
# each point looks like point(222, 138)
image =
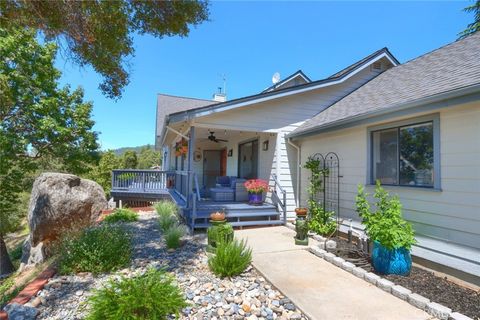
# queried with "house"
point(413, 126)
point(245, 137)
point(416, 128)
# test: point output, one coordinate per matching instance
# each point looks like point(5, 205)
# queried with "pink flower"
point(256, 185)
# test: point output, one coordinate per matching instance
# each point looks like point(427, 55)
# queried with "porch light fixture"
point(265, 145)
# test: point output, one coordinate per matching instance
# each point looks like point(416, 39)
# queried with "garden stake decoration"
point(301, 227)
point(220, 230)
point(256, 188)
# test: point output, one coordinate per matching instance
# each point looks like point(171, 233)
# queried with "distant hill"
point(121, 151)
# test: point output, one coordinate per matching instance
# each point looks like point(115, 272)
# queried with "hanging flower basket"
point(256, 188)
point(181, 148)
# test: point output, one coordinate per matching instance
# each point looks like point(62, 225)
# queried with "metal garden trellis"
point(330, 194)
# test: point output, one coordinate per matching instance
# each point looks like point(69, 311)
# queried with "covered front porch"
point(203, 170)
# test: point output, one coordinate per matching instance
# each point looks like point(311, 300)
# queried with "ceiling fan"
point(212, 137)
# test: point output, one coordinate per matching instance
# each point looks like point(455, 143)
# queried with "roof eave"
point(438, 101)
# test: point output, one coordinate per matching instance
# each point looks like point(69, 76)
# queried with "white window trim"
point(435, 119)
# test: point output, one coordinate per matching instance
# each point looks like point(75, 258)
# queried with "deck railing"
point(141, 180)
point(281, 199)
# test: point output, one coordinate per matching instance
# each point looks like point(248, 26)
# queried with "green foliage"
point(386, 225)
point(121, 215)
point(100, 33)
point(167, 221)
point(173, 234)
point(98, 249)
point(129, 160)
point(38, 120)
point(148, 158)
point(231, 258)
point(166, 208)
point(153, 295)
point(220, 233)
point(321, 221)
point(102, 173)
point(475, 25)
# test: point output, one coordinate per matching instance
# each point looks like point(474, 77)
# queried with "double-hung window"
point(406, 153)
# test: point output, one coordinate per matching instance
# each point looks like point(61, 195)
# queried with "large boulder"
point(59, 203)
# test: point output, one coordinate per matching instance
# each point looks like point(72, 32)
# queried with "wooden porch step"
point(244, 223)
point(239, 214)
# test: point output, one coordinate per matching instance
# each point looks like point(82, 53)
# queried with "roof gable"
point(452, 67)
point(282, 92)
point(294, 79)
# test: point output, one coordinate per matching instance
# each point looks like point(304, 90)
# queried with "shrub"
point(121, 215)
point(150, 296)
point(320, 221)
point(98, 249)
point(231, 258)
point(173, 235)
point(166, 208)
point(166, 222)
point(386, 225)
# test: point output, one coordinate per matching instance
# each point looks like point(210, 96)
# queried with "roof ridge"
point(183, 97)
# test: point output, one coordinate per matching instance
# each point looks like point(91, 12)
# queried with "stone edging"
point(432, 308)
point(30, 290)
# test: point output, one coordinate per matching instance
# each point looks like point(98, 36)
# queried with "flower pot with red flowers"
point(255, 189)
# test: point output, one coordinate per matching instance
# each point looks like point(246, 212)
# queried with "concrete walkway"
point(320, 289)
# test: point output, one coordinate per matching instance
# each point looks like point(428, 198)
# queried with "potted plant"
point(392, 235)
point(255, 189)
point(302, 211)
point(217, 216)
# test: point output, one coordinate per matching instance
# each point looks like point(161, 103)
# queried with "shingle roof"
point(298, 88)
point(168, 104)
point(454, 66)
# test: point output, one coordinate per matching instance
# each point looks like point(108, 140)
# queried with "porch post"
point(191, 150)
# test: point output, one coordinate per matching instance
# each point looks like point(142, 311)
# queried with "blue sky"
point(249, 41)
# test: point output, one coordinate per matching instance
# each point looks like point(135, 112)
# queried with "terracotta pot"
point(217, 216)
point(301, 211)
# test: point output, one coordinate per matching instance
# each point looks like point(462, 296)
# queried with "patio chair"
point(229, 189)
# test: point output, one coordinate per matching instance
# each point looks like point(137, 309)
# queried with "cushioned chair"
point(229, 189)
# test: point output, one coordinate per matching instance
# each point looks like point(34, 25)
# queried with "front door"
point(248, 160)
point(214, 165)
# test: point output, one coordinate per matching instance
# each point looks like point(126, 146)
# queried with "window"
point(405, 154)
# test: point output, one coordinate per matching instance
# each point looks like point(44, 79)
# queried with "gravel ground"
point(248, 296)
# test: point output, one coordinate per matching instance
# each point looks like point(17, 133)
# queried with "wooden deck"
point(135, 187)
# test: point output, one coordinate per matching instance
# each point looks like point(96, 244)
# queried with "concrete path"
point(320, 289)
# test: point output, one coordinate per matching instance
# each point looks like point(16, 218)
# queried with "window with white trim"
point(406, 154)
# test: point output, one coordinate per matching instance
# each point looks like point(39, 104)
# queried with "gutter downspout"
point(297, 201)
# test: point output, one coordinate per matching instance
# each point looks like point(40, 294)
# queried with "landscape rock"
point(418, 301)
point(59, 203)
point(371, 277)
point(458, 316)
point(17, 311)
point(385, 284)
point(439, 311)
point(401, 292)
point(359, 272)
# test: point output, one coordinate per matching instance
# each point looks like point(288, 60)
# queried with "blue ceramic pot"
point(255, 199)
point(396, 261)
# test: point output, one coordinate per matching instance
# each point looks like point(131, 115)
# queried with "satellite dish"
point(276, 78)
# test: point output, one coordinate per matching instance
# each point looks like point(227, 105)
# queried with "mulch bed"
point(426, 283)
point(441, 290)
